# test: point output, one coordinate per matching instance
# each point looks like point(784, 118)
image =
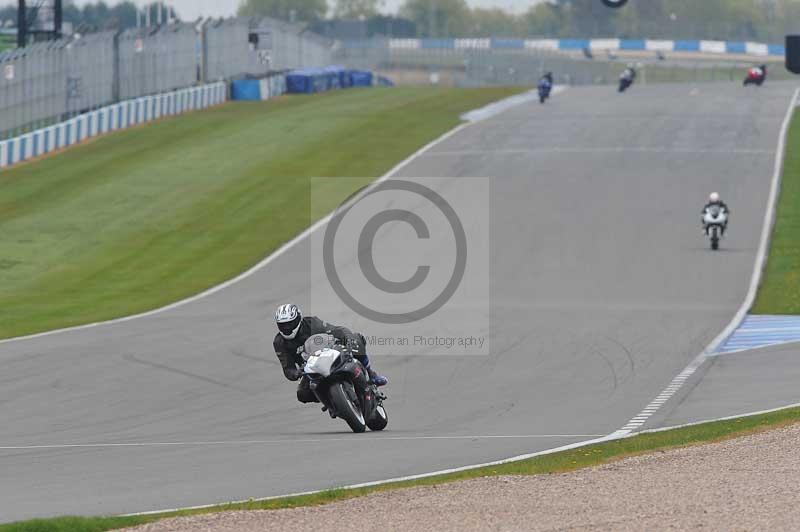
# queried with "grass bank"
point(779, 292)
point(554, 463)
point(7, 42)
point(138, 219)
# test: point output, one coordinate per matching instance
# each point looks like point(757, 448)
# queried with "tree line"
point(761, 20)
point(96, 16)
point(669, 19)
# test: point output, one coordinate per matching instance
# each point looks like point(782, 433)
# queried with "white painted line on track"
point(610, 149)
point(569, 447)
point(496, 108)
point(617, 435)
point(261, 265)
point(487, 112)
point(755, 280)
point(371, 440)
point(726, 418)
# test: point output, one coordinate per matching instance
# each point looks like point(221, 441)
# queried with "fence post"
point(115, 82)
point(204, 51)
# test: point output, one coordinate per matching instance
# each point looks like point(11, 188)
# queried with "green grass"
point(138, 219)
point(7, 42)
point(554, 463)
point(779, 292)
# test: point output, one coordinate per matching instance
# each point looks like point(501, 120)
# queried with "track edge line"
point(755, 282)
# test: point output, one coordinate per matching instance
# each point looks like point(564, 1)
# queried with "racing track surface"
point(603, 290)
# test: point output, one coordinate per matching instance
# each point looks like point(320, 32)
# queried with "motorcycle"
point(544, 91)
point(756, 76)
point(342, 385)
point(715, 219)
point(625, 83)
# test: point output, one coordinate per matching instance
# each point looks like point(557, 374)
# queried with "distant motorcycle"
point(626, 79)
point(545, 87)
point(756, 76)
point(342, 385)
point(715, 218)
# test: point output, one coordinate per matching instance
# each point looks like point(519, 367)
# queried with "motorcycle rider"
point(629, 74)
point(757, 75)
point(627, 78)
point(545, 85)
point(715, 201)
point(294, 330)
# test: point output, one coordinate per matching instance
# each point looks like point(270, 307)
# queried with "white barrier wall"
point(112, 118)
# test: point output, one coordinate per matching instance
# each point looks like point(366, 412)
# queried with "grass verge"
point(561, 462)
point(145, 217)
point(7, 42)
point(779, 292)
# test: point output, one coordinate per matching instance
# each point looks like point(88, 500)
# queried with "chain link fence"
point(153, 60)
point(45, 81)
point(49, 82)
point(469, 65)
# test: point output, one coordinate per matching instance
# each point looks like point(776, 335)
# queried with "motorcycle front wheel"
point(379, 419)
point(346, 407)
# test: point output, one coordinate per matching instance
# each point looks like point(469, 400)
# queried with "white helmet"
point(714, 197)
point(288, 318)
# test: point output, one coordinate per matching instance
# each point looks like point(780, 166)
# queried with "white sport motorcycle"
point(342, 385)
point(715, 218)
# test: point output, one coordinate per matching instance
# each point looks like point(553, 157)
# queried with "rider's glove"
point(352, 344)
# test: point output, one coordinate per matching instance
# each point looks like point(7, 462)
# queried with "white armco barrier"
point(111, 118)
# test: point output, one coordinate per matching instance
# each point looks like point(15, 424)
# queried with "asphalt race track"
point(602, 291)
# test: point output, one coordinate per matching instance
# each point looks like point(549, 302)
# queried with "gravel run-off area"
point(749, 483)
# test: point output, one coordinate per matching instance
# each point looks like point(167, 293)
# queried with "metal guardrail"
point(652, 45)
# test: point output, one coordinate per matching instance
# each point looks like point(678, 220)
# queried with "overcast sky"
point(191, 9)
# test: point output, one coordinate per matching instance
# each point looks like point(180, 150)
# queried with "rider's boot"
point(376, 379)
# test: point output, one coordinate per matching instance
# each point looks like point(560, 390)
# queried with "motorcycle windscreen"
point(714, 215)
point(318, 342)
point(322, 362)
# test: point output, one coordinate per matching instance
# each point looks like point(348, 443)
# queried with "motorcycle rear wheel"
point(346, 408)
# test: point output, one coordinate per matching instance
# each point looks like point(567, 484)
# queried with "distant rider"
point(545, 86)
point(757, 75)
point(715, 201)
point(629, 74)
point(294, 330)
